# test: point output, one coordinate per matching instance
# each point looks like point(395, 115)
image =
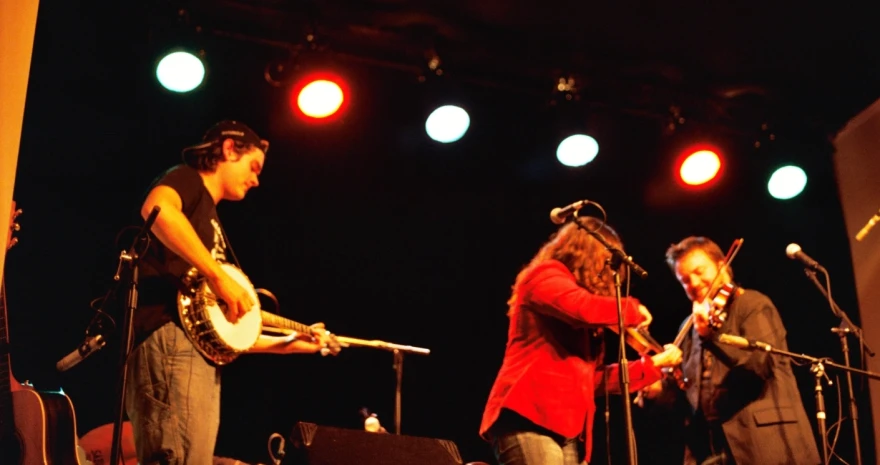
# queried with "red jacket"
point(552, 368)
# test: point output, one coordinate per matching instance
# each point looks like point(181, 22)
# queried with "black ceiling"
point(736, 64)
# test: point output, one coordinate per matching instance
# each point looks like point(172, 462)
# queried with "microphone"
point(743, 343)
point(794, 252)
point(559, 215)
point(91, 344)
point(867, 227)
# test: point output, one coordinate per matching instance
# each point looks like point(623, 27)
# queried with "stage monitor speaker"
point(311, 444)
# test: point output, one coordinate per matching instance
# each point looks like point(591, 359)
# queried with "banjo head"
point(206, 325)
point(241, 335)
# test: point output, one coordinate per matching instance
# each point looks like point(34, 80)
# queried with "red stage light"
point(699, 166)
point(319, 96)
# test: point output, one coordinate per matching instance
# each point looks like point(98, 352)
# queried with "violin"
point(718, 310)
point(645, 344)
point(640, 340)
point(718, 297)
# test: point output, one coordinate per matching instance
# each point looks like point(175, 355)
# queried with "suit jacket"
point(753, 393)
point(552, 364)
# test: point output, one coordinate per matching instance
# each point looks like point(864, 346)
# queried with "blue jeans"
point(531, 448)
point(172, 397)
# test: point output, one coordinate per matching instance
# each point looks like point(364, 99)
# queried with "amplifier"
point(311, 444)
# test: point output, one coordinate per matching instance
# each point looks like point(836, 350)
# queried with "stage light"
point(577, 150)
point(320, 98)
point(447, 124)
point(787, 182)
point(700, 167)
point(180, 72)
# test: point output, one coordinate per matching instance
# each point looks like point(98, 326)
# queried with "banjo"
point(205, 324)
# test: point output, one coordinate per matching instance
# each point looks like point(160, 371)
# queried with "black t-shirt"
point(161, 270)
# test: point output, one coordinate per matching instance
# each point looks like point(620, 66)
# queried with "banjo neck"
point(273, 320)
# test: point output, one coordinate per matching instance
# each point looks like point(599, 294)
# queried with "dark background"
point(368, 226)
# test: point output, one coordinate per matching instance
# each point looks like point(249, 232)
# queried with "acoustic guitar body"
point(36, 427)
point(44, 431)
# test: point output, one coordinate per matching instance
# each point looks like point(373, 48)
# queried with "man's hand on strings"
point(325, 339)
point(236, 299)
point(318, 339)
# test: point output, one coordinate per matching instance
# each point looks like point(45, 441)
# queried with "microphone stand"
point(398, 350)
point(615, 261)
point(818, 367)
point(129, 259)
point(846, 327)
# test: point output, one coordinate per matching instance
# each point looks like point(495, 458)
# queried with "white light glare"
point(700, 167)
point(447, 124)
point(577, 150)
point(180, 72)
point(787, 182)
point(320, 99)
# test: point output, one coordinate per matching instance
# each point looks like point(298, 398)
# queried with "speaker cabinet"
point(311, 444)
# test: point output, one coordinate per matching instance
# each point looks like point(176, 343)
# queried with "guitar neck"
point(6, 418)
point(271, 319)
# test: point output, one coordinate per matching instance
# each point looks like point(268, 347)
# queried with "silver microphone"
point(794, 252)
point(743, 343)
point(559, 215)
point(91, 344)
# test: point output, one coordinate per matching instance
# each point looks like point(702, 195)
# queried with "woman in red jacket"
point(542, 401)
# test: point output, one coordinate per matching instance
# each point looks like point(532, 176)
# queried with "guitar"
point(36, 427)
point(214, 336)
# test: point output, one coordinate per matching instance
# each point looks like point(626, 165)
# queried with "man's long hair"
point(207, 158)
point(581, 253)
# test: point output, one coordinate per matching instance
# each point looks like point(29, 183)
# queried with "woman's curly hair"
point(581, 253)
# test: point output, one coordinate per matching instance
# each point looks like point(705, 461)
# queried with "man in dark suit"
point(743, 406)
